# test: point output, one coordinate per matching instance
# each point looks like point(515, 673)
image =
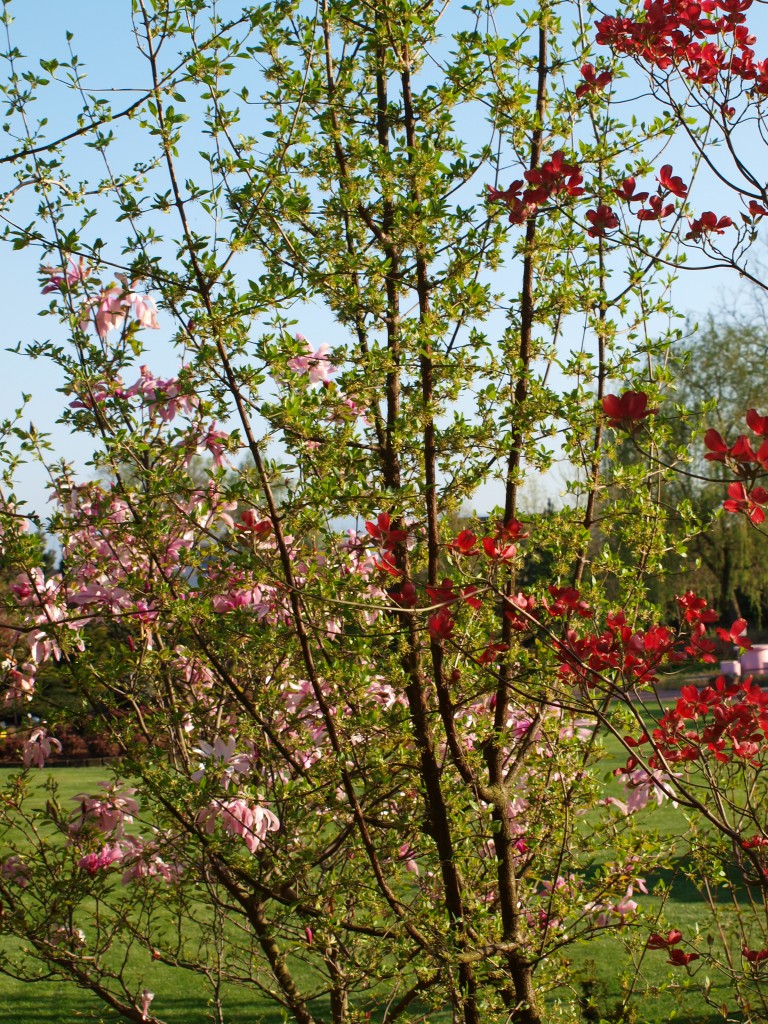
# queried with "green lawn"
point(598, 966)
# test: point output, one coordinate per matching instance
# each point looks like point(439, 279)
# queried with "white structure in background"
point(752, 662)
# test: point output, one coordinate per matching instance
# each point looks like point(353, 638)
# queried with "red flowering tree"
point(360, 762)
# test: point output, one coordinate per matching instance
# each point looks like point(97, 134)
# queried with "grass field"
point(598, 967)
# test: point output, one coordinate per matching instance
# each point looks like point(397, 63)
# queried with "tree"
point(347, 759)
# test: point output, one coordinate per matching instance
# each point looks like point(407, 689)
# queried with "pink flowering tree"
point(360, 727)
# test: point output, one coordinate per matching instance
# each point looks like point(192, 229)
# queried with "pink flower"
point(108, 813)
point(144, 309)
point(146, 999)
point(222, 756)
point(239, 817)
point(57, 281)
point(317, 362)
point(211, 441)
point(37, 747)
point(108, 311)
point(408, 857)
point(93, 863)
point(15, 870)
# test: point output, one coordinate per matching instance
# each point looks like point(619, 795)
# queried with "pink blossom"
point(239, 817)
point(144, 309)
point(37, 747)
point(211, 441)
point(408, 857)
point(222, 756)
point(146, 999)
point(93, 863)
point(316, 363)
point(57, 280)
point(22, 684)
point(108, 310)
point(107, 813)
point(15, 870)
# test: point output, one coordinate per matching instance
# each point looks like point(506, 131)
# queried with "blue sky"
point(102, 40)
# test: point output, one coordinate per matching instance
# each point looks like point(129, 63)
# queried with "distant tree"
point(728, 560)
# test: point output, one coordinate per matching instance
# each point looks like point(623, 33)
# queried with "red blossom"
point(602, 219)
point(737, 634)
point(491, 653)
point(499, 550)
point(443, 594)
point(718, 449)
point(680, 959)
point(404, 595)
point(671, 182)
point(382, 532)
point(624, 412)
point(441, 624)
point(757, 424)
point(657, 210)
point(747, 502)
point(593, 81)
point(465, 543)
point(657, 941)
point(695, 608)
point(626, 191)
point(709, 224)
point(250, 523)
point(754, 956)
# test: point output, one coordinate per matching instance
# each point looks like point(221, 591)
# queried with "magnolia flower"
point(15, 870)
point(146, 999)
point(95, 862)
point(239, 817)
point(57, 280)
point(222, 755)
point(107, 813)
point(317, 363)
point(37, 747)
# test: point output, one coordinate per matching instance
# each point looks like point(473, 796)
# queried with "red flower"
point(468, 594)
point(753, 842)
point(718, 449)
point(757, 209)
point(509, 195)
point(737, 634)
point(380, 531)
point(443, 594)
point(602, 219)
point(754, 956)
point(627, 192)
point(695, 608)
point(252, 524)
point(404, 595)
point(464, 543)
point(756, 423)
point(709, 224)
point(593, 82)
point(441, 624)
point(501, 551)
point(626, 411)
point(657, 941)
point(657, 211)
point(740, 500)
point(491, 653)
point(680, 959)
point(672, 183)
point(554, 176)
